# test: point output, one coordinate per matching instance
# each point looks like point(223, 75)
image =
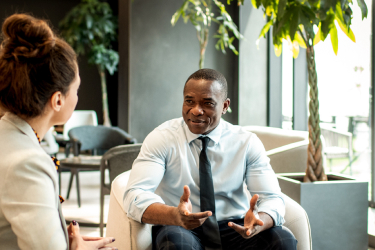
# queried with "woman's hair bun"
point(26, 37)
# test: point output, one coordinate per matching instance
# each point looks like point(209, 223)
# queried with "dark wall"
point(90, 90)
point(161, 58)
point(253, 88)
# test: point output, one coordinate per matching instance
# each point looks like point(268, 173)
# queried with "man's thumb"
point(185, 196)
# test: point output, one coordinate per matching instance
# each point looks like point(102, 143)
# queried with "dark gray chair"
point(117, 160)
point(97, 139)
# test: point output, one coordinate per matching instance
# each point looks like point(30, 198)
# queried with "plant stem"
point(203, 40)
point(103, 80)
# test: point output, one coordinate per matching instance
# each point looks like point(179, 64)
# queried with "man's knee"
point(282, 238)
point(174, 237)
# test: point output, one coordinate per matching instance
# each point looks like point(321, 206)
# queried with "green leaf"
point(327, 25)
point(349, 33)
point(175, 17)
point(281, 9)
point(278, 49)
point(89, 21)
point(256, 3)
point(334, 39)
point(265, 29)
point(294, 23)
point(363, 6)
point(317, 37)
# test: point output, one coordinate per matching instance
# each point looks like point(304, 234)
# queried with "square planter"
point(337, 209)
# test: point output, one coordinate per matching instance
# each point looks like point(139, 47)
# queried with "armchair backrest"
point(98, 138)
point(80, 118)
point(120, 159)
point(277, 137)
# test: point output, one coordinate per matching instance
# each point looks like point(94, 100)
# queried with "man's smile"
point(197, 121)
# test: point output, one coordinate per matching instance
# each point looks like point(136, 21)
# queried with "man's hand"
point(252, 222)
point(185, 217)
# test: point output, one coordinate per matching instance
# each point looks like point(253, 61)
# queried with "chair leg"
point(101, 224)
point(78, 191)
point(67, 149)
point(72, 173)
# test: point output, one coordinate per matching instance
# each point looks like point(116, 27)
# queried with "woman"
point(39, 81)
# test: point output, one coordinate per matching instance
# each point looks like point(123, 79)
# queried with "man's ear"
point(226, 105)
point(57, 101)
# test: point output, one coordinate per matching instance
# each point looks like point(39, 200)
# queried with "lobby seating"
point(287, 152)
point(132, 235)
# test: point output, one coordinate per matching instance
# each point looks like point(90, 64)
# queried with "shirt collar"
point(214, 135)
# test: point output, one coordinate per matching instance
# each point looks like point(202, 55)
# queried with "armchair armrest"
point(289, 158)
point(129, 234)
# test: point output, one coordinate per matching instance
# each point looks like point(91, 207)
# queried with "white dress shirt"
point(169, 159)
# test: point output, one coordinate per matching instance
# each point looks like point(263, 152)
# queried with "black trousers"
point(175, 237)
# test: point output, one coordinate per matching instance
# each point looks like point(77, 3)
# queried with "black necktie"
point(210, 227)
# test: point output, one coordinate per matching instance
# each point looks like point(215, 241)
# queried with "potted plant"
point(90, 28)
point(201, 14)
point(335, 224)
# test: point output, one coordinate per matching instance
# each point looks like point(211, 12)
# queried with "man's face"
point(203, 105)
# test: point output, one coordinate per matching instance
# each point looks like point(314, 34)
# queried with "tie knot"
point(205, 141)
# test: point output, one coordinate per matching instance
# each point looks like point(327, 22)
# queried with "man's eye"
point(210, 103)
point(188, 101)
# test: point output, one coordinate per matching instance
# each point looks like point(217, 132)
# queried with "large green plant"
point(90, 28)
point(201, 13)
point(304, 23)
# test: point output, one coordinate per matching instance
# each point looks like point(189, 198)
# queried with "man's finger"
point(185, 196)
point(259, 222)
point(253, 201)
point(238, 228)
point(200, 215)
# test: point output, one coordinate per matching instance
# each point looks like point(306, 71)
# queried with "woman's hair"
point(34, 64)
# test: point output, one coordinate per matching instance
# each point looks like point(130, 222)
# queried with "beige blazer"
point(30, 211)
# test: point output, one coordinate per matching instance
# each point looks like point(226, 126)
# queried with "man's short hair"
point(211, 75)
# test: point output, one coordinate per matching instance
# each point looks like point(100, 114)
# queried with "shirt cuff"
point(140, 203)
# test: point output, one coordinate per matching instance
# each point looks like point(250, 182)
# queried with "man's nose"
point(197, 110)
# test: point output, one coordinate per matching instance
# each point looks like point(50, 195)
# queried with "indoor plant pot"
point(337, 209)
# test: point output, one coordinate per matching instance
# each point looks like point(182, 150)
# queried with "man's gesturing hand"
point(252, 222)
point(185, 217)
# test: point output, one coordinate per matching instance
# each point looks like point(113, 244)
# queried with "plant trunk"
point(203, 40)
point(103, 80)
point(315, 168)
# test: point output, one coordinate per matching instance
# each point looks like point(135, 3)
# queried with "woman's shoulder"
point(19, 154)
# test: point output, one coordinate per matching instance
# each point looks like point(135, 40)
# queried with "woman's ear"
point(57, 101)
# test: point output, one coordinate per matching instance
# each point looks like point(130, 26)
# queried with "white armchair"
point(287, 149)
point(132, 235)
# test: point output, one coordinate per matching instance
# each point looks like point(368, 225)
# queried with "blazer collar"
point(22, 125)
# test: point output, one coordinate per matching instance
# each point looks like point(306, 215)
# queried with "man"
point(189, 179)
